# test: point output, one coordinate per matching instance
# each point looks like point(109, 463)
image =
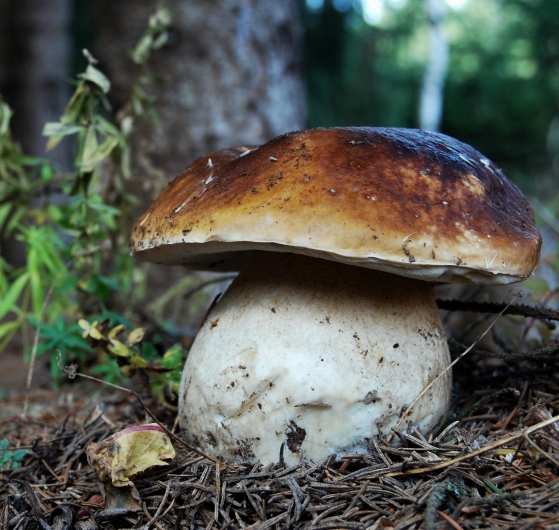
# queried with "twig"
point(499, 307)
point(490, 399)
point(541, 352)
point(203, 285)
point(217, 493)
point(434, 501)
point(521, 434)
point(449, 520)
point(356, 498)
point(35, 505)
point(516, 409)
point(541, 451)
point(157, 514)
point(72, 371)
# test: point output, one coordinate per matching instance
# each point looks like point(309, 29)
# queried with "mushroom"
point(331, 329)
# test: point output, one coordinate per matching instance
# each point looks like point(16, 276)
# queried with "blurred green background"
point(364, 64)
point(366, 61)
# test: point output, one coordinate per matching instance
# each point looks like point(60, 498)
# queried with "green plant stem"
point(36, 340)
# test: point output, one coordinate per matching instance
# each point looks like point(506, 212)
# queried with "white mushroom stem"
point(315, 354)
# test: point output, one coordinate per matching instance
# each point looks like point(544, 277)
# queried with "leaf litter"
point(495, 465)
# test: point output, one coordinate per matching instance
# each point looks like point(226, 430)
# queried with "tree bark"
point(37, 42)
point(432, 92)
point(231, 73)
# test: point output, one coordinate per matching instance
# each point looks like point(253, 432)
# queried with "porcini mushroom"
point(331, 329)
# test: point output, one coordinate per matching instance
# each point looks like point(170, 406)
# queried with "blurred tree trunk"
point(34, 71)
point(36, 60)
point(432, 91)
point(231, 73)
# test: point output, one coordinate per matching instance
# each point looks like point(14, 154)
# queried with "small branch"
point(449, 520)
point(157, 514)
point(541, 451)
point(541, 352)
point(499, 307)
point(71, 371)
point(522, 434)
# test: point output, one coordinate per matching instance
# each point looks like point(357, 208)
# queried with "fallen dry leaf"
point(118, 459)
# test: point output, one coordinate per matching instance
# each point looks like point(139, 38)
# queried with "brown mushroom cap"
point(406, 201)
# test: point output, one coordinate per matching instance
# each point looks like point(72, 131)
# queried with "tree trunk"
point(432, 92)
point(35, 61)
point(231, 73)
point(37, 38)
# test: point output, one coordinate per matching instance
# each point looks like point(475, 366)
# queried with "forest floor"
point(495, 465)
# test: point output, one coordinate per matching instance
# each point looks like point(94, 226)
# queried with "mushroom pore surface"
point(315, 354)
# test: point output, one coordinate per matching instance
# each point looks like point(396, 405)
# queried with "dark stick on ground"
point(498, 307)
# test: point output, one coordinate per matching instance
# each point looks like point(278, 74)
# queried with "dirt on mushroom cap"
point(408, 201)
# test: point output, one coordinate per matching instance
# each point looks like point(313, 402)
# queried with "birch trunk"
point(432, 92)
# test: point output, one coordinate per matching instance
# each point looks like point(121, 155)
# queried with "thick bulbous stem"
point(316, 355)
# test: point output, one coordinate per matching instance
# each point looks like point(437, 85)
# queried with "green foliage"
point(502, 87)
point(21, 179)
point(77, 257)
point(125, 358)
point(359, 75)
point(154, 38)
point(64, 339)
point(8, 458)
point(503, 80)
